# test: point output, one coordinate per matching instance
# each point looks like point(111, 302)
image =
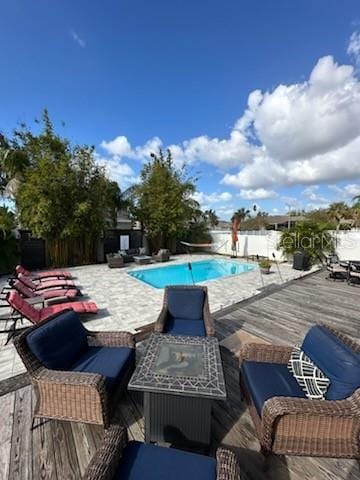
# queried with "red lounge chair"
point(37, 316)
point(27, 292)
point(41, 275)
point(45, 284)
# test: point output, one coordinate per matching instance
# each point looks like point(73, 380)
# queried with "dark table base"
point(177, 419)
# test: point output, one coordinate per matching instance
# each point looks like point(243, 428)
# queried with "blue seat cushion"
point(112, 362)
point(149, 462)
point(183, 326)
point(267, 380)
point(186, 303)
point(335, 359)
point(59, 342)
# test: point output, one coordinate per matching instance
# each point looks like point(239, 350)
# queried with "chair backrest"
point(23, 289)
point(58, 343)
point(337, 356)
point(186, 302)
point(27, 281)
point(21, 269)
point(21, 305)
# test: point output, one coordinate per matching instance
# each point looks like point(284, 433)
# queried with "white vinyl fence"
point(264, 243)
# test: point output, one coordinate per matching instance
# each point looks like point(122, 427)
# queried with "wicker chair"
point(115, 261)
point(75, 395)
point(186, 292)
point(301, 426)
point(110, 458)
point(163, 255)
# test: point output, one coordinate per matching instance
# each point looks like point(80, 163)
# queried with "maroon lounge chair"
point(42, 275)
point(45, 284)
point(36, 316)
point(26, 292)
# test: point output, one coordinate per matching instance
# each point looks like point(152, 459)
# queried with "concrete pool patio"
point(126, 303)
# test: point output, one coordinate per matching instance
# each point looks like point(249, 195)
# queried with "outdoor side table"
point(142, 259)
point(180, 377)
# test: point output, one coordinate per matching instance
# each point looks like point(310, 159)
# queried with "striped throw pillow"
point(310, 378)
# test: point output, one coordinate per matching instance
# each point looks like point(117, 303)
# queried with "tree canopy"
point(62, 195)
point(163, 200)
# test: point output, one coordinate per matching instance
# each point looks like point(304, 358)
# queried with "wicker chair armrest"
point(277, 407)
point(261, 352)
point(68, 378)
point(111, 339)
point(105, 462)
point(227, 465)
point(208, 321)
point(161, 320)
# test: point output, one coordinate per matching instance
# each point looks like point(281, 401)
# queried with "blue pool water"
point(181, 275)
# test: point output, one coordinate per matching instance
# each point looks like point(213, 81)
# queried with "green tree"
point(65, 196)
point(163, 202)
point(309, 237)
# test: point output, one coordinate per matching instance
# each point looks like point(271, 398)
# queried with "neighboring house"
point(283, 222)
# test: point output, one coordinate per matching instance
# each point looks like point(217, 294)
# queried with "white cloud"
point(206, 200)
point(118, 171)
point(304, 133)
point(311, 193)
point(257, 194)
point(346, 192)
point(75, 36)
point(354, 47)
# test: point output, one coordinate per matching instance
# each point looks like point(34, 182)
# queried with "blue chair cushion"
point(186, 303)
point(149, 462)
point(335, 359)
point(112, 362)
point(267, 380)
point(182, 326)
point(59, 342)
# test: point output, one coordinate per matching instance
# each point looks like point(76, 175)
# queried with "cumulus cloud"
point(257, 194)
point(346, 192)
point(303, 133)
point(209, 199)
point(121, 172)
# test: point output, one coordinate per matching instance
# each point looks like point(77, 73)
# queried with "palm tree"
point(339, 211)
point(241, 214)
point(211, 217)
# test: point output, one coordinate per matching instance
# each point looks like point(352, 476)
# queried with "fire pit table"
point(180, 377)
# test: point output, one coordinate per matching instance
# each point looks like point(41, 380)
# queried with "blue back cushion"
point(337, 361)
point(142, 461)
point(59, 342)
point(186, 303)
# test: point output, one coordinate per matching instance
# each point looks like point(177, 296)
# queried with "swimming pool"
point(201, 271)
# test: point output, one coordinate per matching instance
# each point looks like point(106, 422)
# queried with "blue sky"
point(261, 99)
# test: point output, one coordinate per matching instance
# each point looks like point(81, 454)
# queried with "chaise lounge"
point(286, 421)
point(59, 293)
point(42, 275)
point(119, 459)
point(185, 312)
point(35, 315)
point(45, 284)
point(77, 375)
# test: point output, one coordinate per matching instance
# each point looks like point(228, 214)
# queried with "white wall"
point(348, 244)
point(264, 243)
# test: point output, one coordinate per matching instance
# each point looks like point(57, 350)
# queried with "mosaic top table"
point(180, 376)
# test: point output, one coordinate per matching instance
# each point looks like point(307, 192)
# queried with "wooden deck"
point(62, 450)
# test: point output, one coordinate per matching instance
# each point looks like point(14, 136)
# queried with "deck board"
point(61, 450)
